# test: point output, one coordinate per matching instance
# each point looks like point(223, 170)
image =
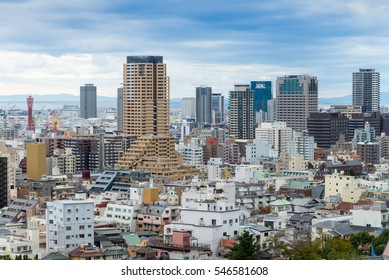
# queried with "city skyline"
point(73, 43)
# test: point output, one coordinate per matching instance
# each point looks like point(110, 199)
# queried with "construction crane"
point(38, 116)
point(5, 114)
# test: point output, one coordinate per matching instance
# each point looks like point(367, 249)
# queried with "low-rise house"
point(261, 233)
point(155, 217)
point(57, 256)
point(86, 252)
point(293, 187)
point(225, 247)
point(329, 229)
point(180, 246)
point(113, 252)
point(302, 221)
point(145, 253)
point(276, 221)
point(280, 205)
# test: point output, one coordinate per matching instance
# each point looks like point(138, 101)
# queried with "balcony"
point(164, 245)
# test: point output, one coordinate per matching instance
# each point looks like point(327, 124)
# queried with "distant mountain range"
point(175, 103)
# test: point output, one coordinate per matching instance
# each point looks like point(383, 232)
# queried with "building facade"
point(69, 223)
point(302, 144)
point(366, 90)
point(277, 135)
point(203, 104)
point(326, 128)
point(146, 94)
point(217, 108)
point(262, 94)
point(36, 160)
point(146, 115)
point(241, 119)
point(88, 101)
point(188, 107)
point(3, 182)
point(119, 116)
point(297, 96)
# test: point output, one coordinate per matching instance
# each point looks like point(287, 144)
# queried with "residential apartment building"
point(69, 223)
point(207, 216)
point(146, 92)
point(366, 90)
point(277, 135)
point(241, 118)
point(344, 186)
point(302, 144)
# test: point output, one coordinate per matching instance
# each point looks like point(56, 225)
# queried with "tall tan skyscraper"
point(146, 114)
point(36, 160)
point(146, 93)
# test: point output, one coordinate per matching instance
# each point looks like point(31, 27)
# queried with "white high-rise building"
point(214, 168)
point(302, 144)
point(256, 151)
point(192, 154)
point(277, 135)
point(188, 107)
point(209, 214)
point(69, 223)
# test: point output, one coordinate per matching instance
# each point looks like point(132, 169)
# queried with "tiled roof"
point(228, 243)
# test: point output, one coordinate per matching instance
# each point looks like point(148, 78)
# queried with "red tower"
point(30, 124)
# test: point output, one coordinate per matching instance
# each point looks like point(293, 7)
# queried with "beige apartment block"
point(345, 186)
point(146, 114)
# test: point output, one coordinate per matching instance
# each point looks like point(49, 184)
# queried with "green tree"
point(339, 249)
point(296, 245)
point(379, 243)
point(246, 248)
point(310, 166)
point(361, 241)
point(351, 172)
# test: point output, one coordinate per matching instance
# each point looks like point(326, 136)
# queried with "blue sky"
point(55, 46)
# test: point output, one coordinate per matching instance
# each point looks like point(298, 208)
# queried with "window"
point(69, 210)
point(82, 227)
point(68, 228)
